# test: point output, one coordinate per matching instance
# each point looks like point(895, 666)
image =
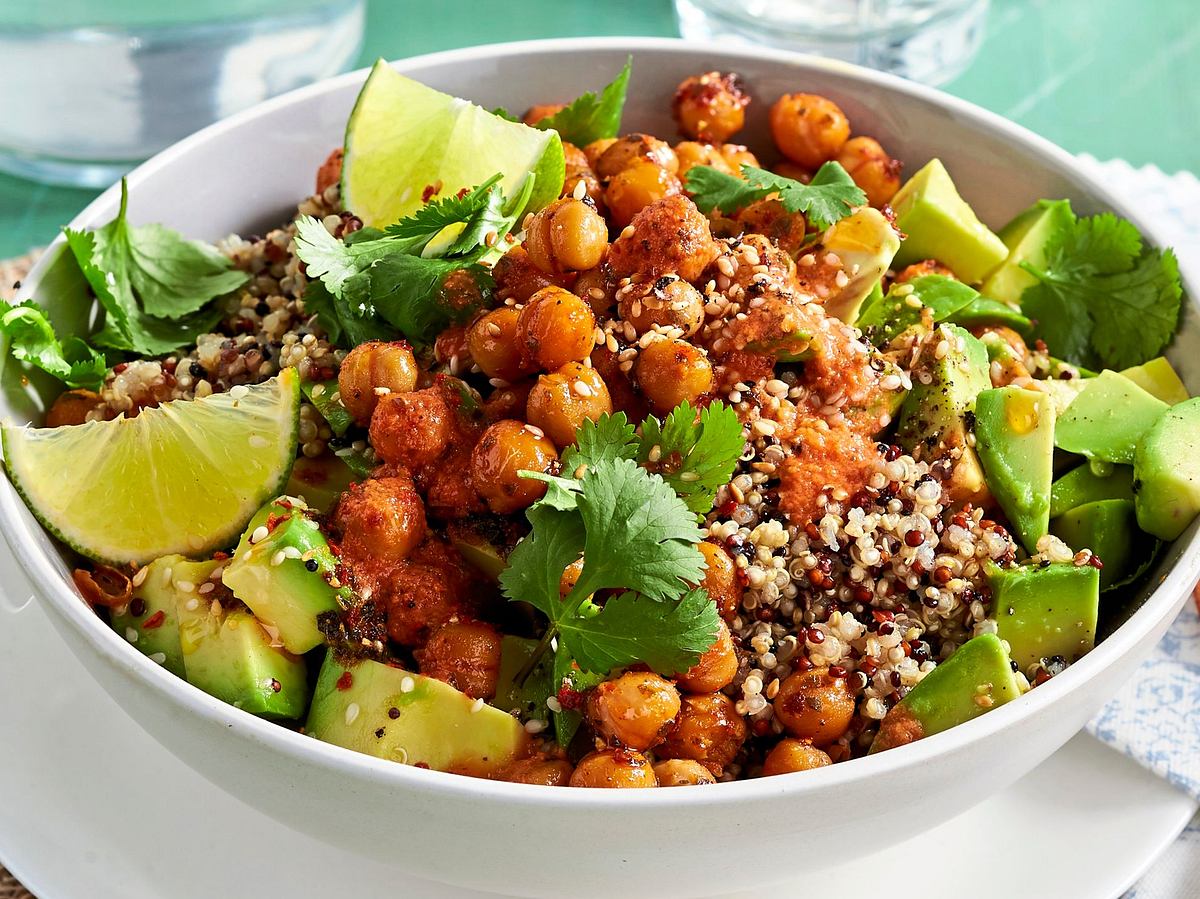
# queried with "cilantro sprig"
point(1103, 299)
point(589, 117)
point(830, 196)
point(31, 339)
point(382, 284)
point(155, 285)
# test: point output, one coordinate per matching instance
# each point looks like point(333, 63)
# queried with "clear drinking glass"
point(88, 88)
point(925, 40)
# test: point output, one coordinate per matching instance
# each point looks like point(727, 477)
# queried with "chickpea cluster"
point(605, 304)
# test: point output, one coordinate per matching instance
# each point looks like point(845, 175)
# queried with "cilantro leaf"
point(409, 292)
point(154, 284)
point(31, 339)
point(830, 196)
point(640, 535)
point(536, 564)
point(1102, 300)
point(632, 628)
point(694, 456)
point(609, 437)
point(589, 118)
point(432, 218)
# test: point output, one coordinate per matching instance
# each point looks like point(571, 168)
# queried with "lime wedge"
point(182, 478)
point(403, 137)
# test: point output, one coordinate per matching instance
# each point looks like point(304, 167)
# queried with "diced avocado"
point(485, 542)
point(394, 714)
point(1062, 392)
point(1108, 418)
point(327, 400)
point(1107, 527)
point(320, 481)
point(1001, 353)
point(873, 298)
point(1159, 379)
point(1166, 472)
point(228, 655)
point(985, 311)
point(865, 241)
point(949, 375)
point(1084, 484)
point(285, 572)
point(904, 305)
point(940, 225)
point(1025, 237)
point(156, 627)
point(1014, 437)
point(1045, 610)
point(977, 678)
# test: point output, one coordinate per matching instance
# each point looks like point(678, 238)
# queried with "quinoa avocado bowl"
point(574, 452)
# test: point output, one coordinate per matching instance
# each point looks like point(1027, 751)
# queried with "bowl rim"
point(21, 530)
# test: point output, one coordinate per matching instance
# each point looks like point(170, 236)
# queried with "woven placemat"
point(11, 273)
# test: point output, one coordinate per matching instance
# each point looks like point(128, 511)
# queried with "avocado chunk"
point(285, 572)
point(320, 481)
point(327, 400)
point(1044, 611)
point(1159, 379)
point(904, 307)
point(1086, 484)
point(865, 241)
point(940, 225)
point(229, 655)
point(394, 714)
point(984, 311)
point(949, 375)
point(1166, 472)
point(151, 619)
point(1014, 437)
point(1108, 527)
point(977, 678)
point(1108, 418)
point(1026, 237)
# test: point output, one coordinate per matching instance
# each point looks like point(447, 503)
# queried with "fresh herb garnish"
point(31, 339)
point(381, 284)
point(154, 284)
point(588, 117)
point(695, 456)
point(1103, 299)
point(829, 197)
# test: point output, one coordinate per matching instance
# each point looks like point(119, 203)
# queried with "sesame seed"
point(131, 635)
point(158, 658)
point(139, 577)
point(278, 558)
point(534, 726)
point(381, 391)
point(352, 711)
point(580, 190)
point(535, 431)
point(185, 586)
point(477, 706)
point(238, 391)
point(259, 534)
point(407, 684)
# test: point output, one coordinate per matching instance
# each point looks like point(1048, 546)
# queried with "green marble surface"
point(1109, 78)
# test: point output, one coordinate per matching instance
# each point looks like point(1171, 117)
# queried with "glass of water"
point(89, 88)
point(925, 40)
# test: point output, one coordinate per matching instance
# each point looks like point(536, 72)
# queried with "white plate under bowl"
point(94, 808)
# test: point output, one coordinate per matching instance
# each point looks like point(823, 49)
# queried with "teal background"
point(1107, 77)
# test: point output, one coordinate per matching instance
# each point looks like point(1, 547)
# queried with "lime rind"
point(181, 478)
point(403, 136)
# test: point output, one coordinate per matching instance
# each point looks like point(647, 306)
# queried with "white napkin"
point(1155, 719)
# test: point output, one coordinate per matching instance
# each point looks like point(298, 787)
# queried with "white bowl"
point(246, 174)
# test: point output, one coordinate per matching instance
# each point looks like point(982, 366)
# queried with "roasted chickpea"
point(808, 128)
point(625, 398)
point(794, 755)
point(517, 278)
point(789, 169)
point(682, 773)
point(771, 217)
point(716, 668)
point(540, 111)
point(633, 149)
point(330, 172)
point(671, 372)
point(691, 153)
point(543, 772)
point(450, 349)
point(669, 237)
point(667, 302)
point(466, 655)
point(412, 429)
point(592, 189)
point(736, 156)
point(561, 401)
point(814, 705)
point(449, 487)
point(614, 768)
point(461, 292)
point(570, 577)
point(566, 236)
point(381, 520)
point(508, 402)
point(597, 148)
point(426, 591)
point(72, 408)
point(595, 288)
point(633, 189)
point(555, 327)
point(494, 344)
point(710, 107)
point(920, 269)
point(871, 168)
point(634, 710)
point(721, 581)
point(574, 158)
point(506, 448)
point(708, 730)
point(373, 366)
